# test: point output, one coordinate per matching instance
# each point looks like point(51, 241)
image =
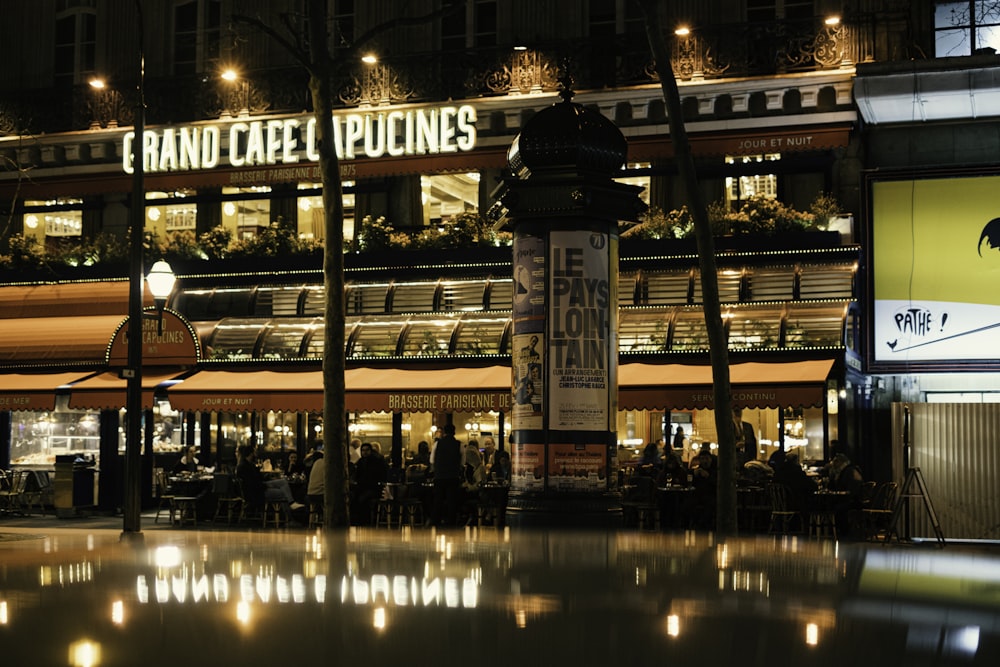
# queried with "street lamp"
point(161, 281)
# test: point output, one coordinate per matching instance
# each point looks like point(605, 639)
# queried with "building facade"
point(784, 102)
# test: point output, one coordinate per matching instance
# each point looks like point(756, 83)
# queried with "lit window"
point(740, 188)
point(246, 217)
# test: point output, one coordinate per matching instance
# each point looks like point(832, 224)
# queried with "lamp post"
point(132, 501)
point(161, 281)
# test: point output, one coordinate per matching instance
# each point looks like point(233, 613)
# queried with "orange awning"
point(87, 298)
point(754, 385)
point(57, 339)
point(107, 391)
point(34, 391)
point(368, 390)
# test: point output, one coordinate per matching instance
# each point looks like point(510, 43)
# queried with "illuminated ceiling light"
point(153, 213)
point(31, 221)
point(229, 208)
point(97, 83)
point(369, 59)
point(832, 20)
point(683, 31)
point(520, 47)
point(230, 75)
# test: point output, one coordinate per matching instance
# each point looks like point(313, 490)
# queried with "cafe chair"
point(784, 520)
point(276, 513)
point(229, 500)
point(315, 514)
point(876, 517)
point(12, 495)
point(411, 507)
point(385, 509)
point(185, 511)
point(492, 506)
point(639, 506)
point(164, 495)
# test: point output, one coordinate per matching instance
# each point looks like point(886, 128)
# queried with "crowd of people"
point(662, 463)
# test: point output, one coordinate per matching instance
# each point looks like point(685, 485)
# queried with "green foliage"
point(374, 234)
point(275, 240)
point(22, 252)
point(182, 245)
point(215, 242)
point(823, 208)
point(655, 224)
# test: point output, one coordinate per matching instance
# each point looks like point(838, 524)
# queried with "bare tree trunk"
point(337, 485)
point(718, 345)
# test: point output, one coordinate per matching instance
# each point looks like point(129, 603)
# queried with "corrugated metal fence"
point(957, 448)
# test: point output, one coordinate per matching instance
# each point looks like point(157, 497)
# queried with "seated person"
point(188, 462)
point(789, 472)
point(370, 475)
point(673, 471)
point(705, 479)
point(256, 489)
point(293, 466)
point(500, 470)
point(317, 479)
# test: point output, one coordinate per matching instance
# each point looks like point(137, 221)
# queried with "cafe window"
point(689, 333)
point(809, 326)
point(481, 335)
point(965, 28)
point(376, 338)
point(445, 196)
point(643, 330)
point(637, 174)
point(771, 283)
point(245, 217)
point(167, 212)
point(277, 301)
point(285, 340)
point(53, 218)
point(753, 328)
point(429, 336)
point(729, 285)
point(312, 215)
point(235, 339)
point(756, 184)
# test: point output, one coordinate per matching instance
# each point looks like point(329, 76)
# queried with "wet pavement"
point(74, 593)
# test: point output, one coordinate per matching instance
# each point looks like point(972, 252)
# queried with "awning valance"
point(754, 385)
point(367, 390)
point(34, 391)
point(107, 391)
point(640, 386)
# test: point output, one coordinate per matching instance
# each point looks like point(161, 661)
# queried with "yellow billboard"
point(936, 269)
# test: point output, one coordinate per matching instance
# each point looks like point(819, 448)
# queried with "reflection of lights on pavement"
point(84, 653)
point(673, 625)
point(521, 618)
point(117, 612)
point(243, 612)
point(4, 619)
point(378, 620)
point(812, 634)
point(167, 557)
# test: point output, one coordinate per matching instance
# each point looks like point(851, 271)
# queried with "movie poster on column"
point(527, 467)
point(578, 467)
point(528, 383)
point(580, 333)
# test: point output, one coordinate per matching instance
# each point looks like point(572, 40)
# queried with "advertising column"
point(564, 207)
